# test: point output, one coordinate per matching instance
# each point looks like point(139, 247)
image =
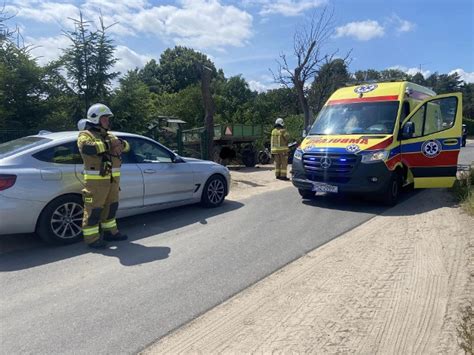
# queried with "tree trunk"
point(303, 101)
point(209, 110)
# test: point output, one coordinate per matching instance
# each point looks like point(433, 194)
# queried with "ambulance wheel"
point(214, 191)
point(306, 194)
point(61, 220)
point(394, 187)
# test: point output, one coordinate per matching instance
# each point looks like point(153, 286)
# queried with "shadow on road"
point(410, 203)
point(130, 254)
point(36, 253)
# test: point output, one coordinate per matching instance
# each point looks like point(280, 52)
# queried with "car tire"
point(60, 222)
point(214, 191)
point(306, 194)
point(392, 192)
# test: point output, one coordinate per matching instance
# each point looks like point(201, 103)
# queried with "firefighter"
point(101, 152)
point(279, 148)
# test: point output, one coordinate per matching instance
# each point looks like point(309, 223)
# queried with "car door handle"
point(149, 171)
point(450, 141)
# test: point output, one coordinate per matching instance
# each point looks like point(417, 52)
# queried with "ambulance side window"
point(418, 119)
point(440, 115)
point(405, 110)
point(435, 116)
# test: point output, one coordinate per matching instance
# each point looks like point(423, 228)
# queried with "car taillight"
point(6, 181)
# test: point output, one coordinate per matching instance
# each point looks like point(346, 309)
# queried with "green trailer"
point(232, 142)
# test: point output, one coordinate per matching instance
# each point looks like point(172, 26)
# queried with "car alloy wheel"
point(215, 191)
point(66, 221)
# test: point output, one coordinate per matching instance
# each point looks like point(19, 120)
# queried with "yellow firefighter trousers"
point(101, 200)
point(281, 163)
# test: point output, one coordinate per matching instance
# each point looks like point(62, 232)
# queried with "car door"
point(431, 150)
point(131, 182)
point(165, 179)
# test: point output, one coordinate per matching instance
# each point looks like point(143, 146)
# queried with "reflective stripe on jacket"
point(95, 151)
point(279, 141)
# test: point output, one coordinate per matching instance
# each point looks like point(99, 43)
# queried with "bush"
point(466, 330)
point(463, 190)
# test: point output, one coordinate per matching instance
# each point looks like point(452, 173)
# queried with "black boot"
point(98, 244)
point(117, 237)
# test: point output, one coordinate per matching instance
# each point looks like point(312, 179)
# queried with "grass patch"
point(465, 329)
point(463, 190)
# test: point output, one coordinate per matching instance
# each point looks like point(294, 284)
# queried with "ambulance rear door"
point(431, 139)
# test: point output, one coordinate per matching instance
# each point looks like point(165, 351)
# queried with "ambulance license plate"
point(322, 187)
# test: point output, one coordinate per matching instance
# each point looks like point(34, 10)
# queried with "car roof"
point(67, 135)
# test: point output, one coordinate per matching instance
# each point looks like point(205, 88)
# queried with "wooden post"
point(209, 109)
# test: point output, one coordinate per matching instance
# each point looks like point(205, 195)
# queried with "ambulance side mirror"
point(408, 130)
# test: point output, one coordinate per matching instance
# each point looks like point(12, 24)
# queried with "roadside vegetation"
point(465, 329)
point(463, 190)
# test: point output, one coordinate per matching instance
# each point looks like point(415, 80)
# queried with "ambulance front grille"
point(329, 167)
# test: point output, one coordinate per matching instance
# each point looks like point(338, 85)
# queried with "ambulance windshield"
point(356, 118)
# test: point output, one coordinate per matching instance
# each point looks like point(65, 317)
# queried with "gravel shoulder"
point(392, 285)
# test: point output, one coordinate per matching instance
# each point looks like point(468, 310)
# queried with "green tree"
point(186, 104)
point(367, 75)
point(133, 104)
point(330, 77)
point(22, 92)
point(88, 62)
point(179, 68)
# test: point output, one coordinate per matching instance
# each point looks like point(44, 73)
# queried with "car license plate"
point(322, 187)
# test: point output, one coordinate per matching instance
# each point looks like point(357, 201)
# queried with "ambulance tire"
point(57, 210)
point(307, 194)
point(394, 187)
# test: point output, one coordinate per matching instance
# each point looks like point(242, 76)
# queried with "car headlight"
point(379, 155)
point(298, 154)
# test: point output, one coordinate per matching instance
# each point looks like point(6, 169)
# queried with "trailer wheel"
point(248, 158)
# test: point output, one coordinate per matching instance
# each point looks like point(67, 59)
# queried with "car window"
point(21, 144)
point(143, 151)
point(66, 153)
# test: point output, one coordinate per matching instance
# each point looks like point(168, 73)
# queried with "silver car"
point(41, 182)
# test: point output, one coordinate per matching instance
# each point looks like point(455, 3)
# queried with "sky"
point(247, 37)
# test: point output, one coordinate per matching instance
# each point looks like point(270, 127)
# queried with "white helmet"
point(279, 121)
point(96, 111)
point(81, 124)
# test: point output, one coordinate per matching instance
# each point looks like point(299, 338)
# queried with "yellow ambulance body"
point(376, 138)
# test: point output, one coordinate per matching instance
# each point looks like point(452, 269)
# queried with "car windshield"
point(20, 144)
point(357, 118)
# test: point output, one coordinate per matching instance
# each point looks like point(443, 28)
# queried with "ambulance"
point(376, 138)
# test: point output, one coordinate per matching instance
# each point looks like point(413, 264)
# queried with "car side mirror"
point(177, 159)
point(408, 130)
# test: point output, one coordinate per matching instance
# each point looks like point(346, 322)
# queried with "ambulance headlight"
point(298, 154)
point(372, 157)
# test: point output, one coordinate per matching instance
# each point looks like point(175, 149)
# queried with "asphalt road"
point(178, 264)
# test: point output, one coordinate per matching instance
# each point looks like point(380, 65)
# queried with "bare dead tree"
point(308, 43)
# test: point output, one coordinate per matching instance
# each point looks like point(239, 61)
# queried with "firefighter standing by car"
point(279, 148)
point(101, 152)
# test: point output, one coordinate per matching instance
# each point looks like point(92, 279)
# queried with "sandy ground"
point(247, 182)
point(393, 285)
